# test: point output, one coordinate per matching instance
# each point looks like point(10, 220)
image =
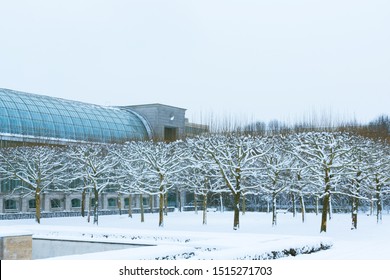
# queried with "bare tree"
point(161, 163)
point(358, 173)
point(379, 174)
point(202, 178)
point(325, 154)
point(276, 174)
point(132, 174)
point(235, 157)
point(97, 165)
point(37, 168)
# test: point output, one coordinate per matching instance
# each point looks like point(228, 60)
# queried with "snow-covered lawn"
point(184, 236)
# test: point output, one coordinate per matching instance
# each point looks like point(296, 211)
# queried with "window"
point(126, 202)
point(10, 204)
point(93, 202)
point(76, 202)
point(112, 202)
point(32, 204)
point(55, 203)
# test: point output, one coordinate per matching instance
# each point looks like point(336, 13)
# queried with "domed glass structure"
point(41, 119)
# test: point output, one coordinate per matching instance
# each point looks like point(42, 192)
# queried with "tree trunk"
point(326, 201)
point(89, 207)
point(151, 203)
point(303, 210)
point(372, 205)
point(83, 197)
point(379, 211)
point(243, 204)
point(236, 222)
point(119, 204)
point(294, 208)
point(355, 200)
point(220, 202)
point(179, 202)
point(96, 207)
point(196, 203)
point(38, 205)
point(130, 206)
point(274, 214)
point(378, 203)
point(325, 209)
point(237, 197)
point(354, 214)
point(205, 209)
point(166, 204)
point(161, 210)
point(317, 205)
point(142, 211)
point(330, 209)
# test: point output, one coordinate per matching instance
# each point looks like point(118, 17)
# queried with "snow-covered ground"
point(184, 236)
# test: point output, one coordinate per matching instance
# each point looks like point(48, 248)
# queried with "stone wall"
point(160, 117)
point(16, 246)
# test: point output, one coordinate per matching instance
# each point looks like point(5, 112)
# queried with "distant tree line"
point(379, 128)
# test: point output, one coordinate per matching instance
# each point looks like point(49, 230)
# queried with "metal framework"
point(42, 119)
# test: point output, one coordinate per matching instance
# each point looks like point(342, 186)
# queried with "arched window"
point(32, 204)
point(76, 202)
point(112, 202)
point(10, 204)
point(55, 203)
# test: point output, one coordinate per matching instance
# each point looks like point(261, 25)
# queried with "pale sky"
point(263, 60)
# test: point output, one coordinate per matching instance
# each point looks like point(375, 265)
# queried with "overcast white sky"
point(260, 59)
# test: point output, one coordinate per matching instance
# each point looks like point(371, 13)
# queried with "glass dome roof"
point(42, 117)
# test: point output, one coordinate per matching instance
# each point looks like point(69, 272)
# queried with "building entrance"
point(170, 134)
